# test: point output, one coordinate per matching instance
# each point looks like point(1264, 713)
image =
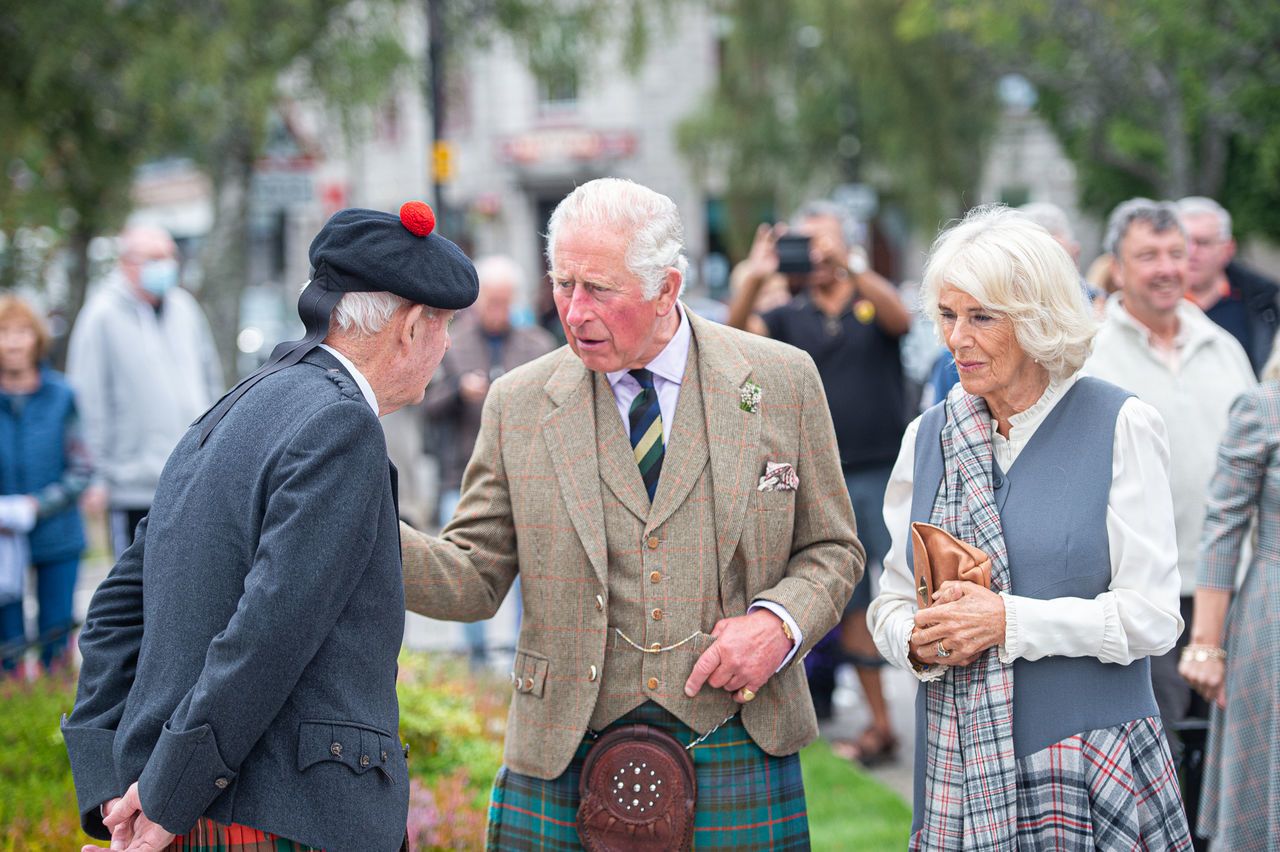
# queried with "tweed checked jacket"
point(534, 502)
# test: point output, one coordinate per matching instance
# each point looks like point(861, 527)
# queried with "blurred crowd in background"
point(155, 209)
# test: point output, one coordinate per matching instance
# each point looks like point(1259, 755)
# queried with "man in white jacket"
point(143, 365)
point(1163, 348)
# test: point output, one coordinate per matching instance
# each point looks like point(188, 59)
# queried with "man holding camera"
point(850, 320)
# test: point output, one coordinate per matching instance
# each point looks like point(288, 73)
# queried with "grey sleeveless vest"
point(1053, 508)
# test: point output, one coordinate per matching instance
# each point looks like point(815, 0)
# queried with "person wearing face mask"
point(143, 365)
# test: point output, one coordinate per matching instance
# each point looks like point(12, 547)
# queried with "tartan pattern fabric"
point(747, 799)
point(1240, 804)
point(209, 836)
point(540, 494)
point(1110, 789)
point(646, 431)
point(970, 771)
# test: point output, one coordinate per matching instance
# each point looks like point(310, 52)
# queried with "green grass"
point(848, 810)
point(37, 801)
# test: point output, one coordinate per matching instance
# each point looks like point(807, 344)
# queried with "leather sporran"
point(939, 556)
point(638, 792)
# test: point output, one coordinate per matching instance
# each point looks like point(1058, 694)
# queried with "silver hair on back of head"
point(365, 314)
point(1198, 205)
point(650, 218)
point(1014, 268)
point(1160, 215)
point(1271, 370)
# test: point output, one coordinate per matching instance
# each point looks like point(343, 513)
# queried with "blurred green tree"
point(69, 126)
point(812, 94)
point(1150, 97)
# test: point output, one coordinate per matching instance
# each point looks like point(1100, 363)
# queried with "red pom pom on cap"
point(418, 217)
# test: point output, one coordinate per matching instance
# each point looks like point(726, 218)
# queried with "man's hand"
point(747, 651)
point(966, 618)
point(762, 259)
point(137, 833)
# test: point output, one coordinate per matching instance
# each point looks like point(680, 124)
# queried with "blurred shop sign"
point(567, 145)
point(273, 189)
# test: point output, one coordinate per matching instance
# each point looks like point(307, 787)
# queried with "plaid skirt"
point(747, 799)
point(1109, 789)
point(209, 836)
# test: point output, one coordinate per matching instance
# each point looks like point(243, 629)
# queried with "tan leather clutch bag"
point(939, 556)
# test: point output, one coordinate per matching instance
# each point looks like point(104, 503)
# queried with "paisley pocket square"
point(778, 476)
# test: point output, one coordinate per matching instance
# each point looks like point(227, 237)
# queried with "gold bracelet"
point(1203, 653)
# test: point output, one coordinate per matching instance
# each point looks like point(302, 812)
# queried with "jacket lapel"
point(733, 435)
point(569, 432)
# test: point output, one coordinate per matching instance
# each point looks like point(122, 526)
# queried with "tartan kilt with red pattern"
point(209, 836)
point(747, 798)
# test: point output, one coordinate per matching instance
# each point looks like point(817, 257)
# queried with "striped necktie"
point(646, 431)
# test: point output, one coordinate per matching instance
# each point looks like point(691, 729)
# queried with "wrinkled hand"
point(1209, 678)
point(144, 835)
point(966, 618)
point(747, 651)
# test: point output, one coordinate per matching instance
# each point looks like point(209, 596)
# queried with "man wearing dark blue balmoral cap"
point(240, 659)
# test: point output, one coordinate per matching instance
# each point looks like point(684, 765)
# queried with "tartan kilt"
point(1112, 788)
point(747, 799)
point(209, 836)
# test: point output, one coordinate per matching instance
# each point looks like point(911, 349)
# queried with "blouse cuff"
point(1115, 642)
point(1011, 648)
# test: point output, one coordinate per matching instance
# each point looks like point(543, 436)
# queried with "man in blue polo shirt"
point(850, 320)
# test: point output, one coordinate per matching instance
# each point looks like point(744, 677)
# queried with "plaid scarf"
point(970, 771)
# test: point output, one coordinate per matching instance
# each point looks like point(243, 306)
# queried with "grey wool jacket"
point(240, 658)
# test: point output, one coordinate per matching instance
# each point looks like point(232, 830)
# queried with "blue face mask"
point(159, 276)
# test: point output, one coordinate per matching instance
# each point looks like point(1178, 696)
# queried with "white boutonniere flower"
point(749, 397)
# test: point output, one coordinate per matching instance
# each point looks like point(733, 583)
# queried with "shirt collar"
point(670, 362)
point(361, 381)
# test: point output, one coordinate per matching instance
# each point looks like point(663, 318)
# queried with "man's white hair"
point(1198, 205)
point(650, 218)
point(1014, 268)
point(365, 314)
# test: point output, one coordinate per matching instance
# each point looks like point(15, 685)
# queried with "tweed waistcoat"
point(662, 590)
point(1053, 510)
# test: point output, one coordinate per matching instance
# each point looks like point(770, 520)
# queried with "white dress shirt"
point(361, 381)
point(1139, 614)
point(668, 373)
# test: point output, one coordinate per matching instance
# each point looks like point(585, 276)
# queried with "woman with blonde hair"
point(1233, 659)
point(43, 469)
point(1035, 720)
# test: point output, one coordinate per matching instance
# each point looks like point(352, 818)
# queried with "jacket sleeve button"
point(221, 783)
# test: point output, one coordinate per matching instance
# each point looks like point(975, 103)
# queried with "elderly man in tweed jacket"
point(670, 493)
point(238, 686)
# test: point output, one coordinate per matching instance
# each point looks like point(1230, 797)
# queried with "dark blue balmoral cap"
point(363, 251)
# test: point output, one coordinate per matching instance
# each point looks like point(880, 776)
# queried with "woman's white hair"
point(1014, 268)
point(652, 220)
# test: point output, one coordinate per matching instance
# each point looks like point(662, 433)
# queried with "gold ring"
point(747, 694)
point(942, 651)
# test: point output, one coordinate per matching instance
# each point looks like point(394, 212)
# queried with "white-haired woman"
point(1234, 656)
point(1036, 726)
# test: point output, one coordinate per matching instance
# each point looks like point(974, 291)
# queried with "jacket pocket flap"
point(530, 673)
point(357, 747)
